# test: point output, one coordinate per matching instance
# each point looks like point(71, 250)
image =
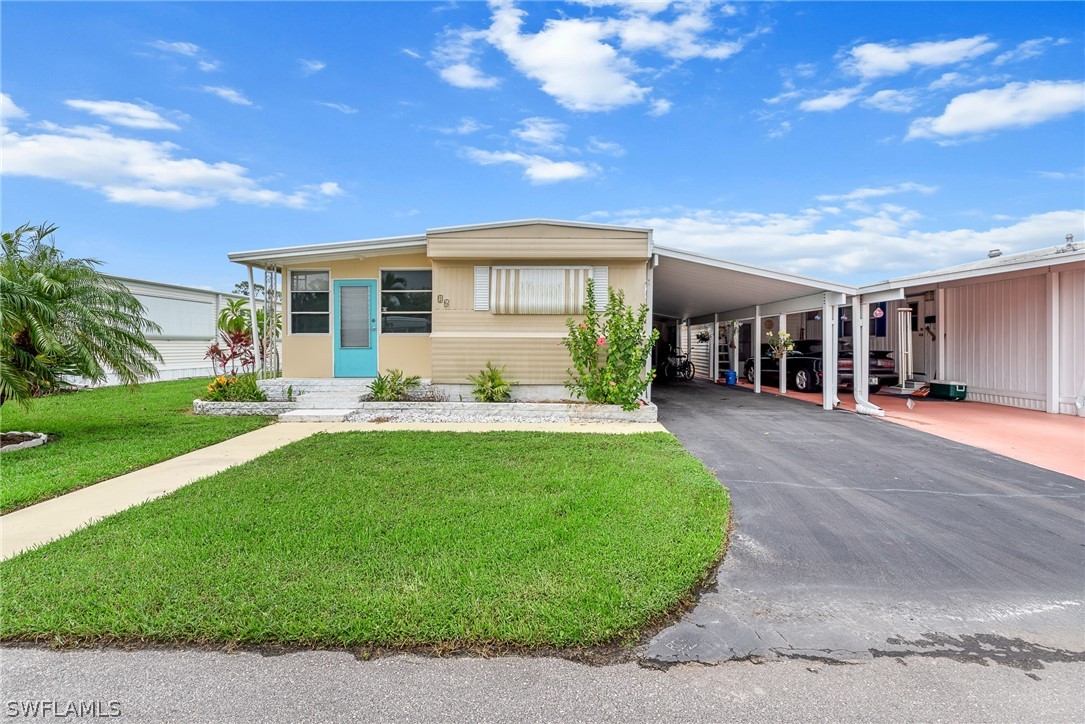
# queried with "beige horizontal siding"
point(522, 242)
point(530, 360)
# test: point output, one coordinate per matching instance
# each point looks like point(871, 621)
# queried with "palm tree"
point(64, 318)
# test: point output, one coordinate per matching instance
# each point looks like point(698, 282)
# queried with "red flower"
point(601, 341)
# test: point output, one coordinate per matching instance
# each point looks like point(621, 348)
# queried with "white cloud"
point(867, 192)
point(124, 114)
point(586, 64)
point(8, 110)
point(456, 59)
point(411, 53)
point(610, 148)
point(660, 107)
point(228, 94)
point(308, 67)
point(893, 101)
point(1015, 105)
point(208, 66)
point(832, 101)
point(544, 133)
point(180, 48)
point(1061, 175)
point(862, 248)
point(341, 107)
point(874, 60)
point(781, 130)
point(1029, 49)
point(136, 171)
point(465, 127)
point(537, 169)
point(569, 60)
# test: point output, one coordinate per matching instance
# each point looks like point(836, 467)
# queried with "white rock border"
point(237, 409)
point(498, 412)
point(40, 438)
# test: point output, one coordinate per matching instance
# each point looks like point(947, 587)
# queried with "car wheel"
point(749, 374)
point(875, 388)
point(802, 381)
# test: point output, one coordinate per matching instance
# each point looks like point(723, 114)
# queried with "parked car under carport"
point(804, 368)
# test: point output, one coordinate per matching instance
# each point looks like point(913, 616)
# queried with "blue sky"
point(849, 141)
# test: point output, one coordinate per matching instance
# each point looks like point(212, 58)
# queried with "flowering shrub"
point(235, 388)
point(780, 344)
point(610, 351)
point(232, 353)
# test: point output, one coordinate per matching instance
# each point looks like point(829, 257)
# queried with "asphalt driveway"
point(856, 538)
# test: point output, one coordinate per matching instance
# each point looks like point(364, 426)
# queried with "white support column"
point(1054, 350)
point(714, 341)
point(828, 355)
point(941, 326)
point(649, 295)
point(860, 358)
point(689, 341)
point(736, 340)
point(780, 329)
point(755, 349)
point(258, 362)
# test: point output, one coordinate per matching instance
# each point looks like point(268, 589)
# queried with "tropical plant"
point(780, 344)
point(392, 386)
point(490, 384)
point(610, 351)
point(63, 318)
point(236, 317)
point(232, 352)
point(235, 388)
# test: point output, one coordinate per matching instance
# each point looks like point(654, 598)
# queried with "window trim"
point(380, 307)
point(290, 302)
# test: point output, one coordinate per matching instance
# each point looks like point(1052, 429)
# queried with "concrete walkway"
point(55, 518)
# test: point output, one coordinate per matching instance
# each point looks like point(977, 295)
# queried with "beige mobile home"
point(443, 304)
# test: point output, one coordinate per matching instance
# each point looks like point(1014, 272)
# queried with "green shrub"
point(239, 388)
point(490, 384)
point(392, 386)
point(610, 352)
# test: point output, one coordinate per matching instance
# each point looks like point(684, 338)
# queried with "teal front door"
point(355, 321)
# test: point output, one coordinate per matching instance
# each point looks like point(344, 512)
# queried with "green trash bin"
point(948, 390)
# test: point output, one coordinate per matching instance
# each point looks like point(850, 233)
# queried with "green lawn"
point(391, 539)
point(107, 432)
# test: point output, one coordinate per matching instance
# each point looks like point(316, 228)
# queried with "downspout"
point(256, 337)
point(755, 347)
point(860, 362)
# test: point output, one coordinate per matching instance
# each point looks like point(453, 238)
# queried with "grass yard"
point(107, 432)
point(391, 539)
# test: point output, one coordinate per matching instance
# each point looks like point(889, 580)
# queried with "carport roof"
point(688, 285)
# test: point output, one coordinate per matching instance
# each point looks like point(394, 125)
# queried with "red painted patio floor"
point(1054, 442)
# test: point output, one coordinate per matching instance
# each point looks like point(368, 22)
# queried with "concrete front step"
point(332, 415)
point(327, 400)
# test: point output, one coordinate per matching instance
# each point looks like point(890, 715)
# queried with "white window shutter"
point(600, 275)
point(482, 288)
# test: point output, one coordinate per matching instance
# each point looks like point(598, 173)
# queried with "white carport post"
point(689, 340)
point(940, 325)
point(736, 340)
point(780, 329)
point(257, 361)
point(860, 358)
point(1053, 350)
point(828, 354)
point(714, 355)
point(755, 346)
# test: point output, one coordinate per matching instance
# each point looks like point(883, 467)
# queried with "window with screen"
point(310, 303)
point(406, 301)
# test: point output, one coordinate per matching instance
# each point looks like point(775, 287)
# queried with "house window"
point(309, 302)
point(539, 290)
point(406, 301)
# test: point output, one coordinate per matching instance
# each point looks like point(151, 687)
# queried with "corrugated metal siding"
point(1071, 337)
point(997, 338)
point(179, 317)
point(701, 353)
